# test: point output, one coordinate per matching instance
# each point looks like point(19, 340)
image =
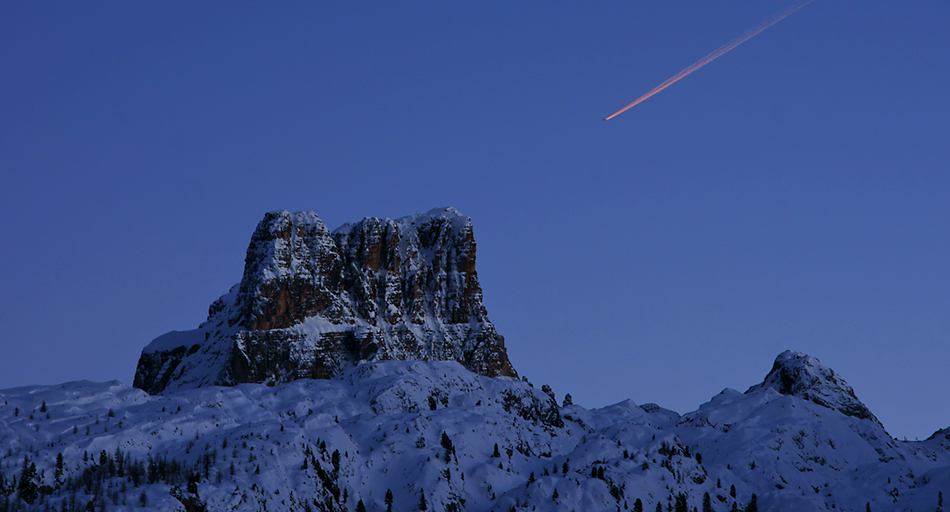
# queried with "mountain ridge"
point(357, 370)
point(430, 429)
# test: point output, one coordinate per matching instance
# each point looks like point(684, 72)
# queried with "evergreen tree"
point(388, 500)
point(753, 505)
point(554, 496)
point(735, 507)
point(867, 506)
point(681, 505)
point(638, 506)
point(567, 400)
point(732, 490)
point(495, 454)
point(940, 498)
point(449, 449)
point(59, 468)
point(707, 503)
point(659, 507)
point(26, 488)
point(192, 486)
point(143, 500)
point(422, 501)
point(360, 507)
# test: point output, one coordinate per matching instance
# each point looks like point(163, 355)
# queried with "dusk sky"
point(792, 194)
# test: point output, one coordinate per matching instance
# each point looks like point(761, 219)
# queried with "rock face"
point(801, 375)
point(312, 302)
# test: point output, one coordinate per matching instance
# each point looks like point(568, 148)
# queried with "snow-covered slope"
point(429, 430)
point(312, 302)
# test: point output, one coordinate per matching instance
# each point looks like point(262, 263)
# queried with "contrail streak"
point(712, 56)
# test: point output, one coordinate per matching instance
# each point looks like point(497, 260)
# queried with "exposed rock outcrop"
point(801, 375)
point(312, 302)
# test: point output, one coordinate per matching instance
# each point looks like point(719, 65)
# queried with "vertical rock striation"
point(312, 302)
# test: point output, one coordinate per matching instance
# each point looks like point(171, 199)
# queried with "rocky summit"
point(312, 303)
point(801, 375)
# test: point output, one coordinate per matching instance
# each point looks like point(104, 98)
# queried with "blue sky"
point(790, 195)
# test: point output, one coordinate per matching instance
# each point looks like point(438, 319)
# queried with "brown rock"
point(312, 303)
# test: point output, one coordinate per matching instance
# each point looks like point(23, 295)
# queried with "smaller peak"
point(652, 408)
point(944, 432)
point(444, 213)
point(284, 217)
point(803, 376)
point(281, 224)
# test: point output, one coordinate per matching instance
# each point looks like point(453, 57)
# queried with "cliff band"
point(312, 302)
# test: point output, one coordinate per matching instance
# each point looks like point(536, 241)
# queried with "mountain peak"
point(803, 376)
point(312, 303)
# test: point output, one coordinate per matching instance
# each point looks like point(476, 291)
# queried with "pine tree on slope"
point(681, 505)
point(753, 505)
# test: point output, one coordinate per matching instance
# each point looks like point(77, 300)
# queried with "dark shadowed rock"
point(312, 302)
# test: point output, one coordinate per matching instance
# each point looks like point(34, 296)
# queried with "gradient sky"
point(793, 194)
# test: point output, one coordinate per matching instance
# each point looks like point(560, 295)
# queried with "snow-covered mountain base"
point(434, 436)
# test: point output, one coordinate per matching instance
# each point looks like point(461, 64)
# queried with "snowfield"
point(436, 432)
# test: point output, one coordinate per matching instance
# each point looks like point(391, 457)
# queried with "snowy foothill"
point(408, 432)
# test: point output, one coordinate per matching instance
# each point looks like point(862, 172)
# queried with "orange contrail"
point(712, 56)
